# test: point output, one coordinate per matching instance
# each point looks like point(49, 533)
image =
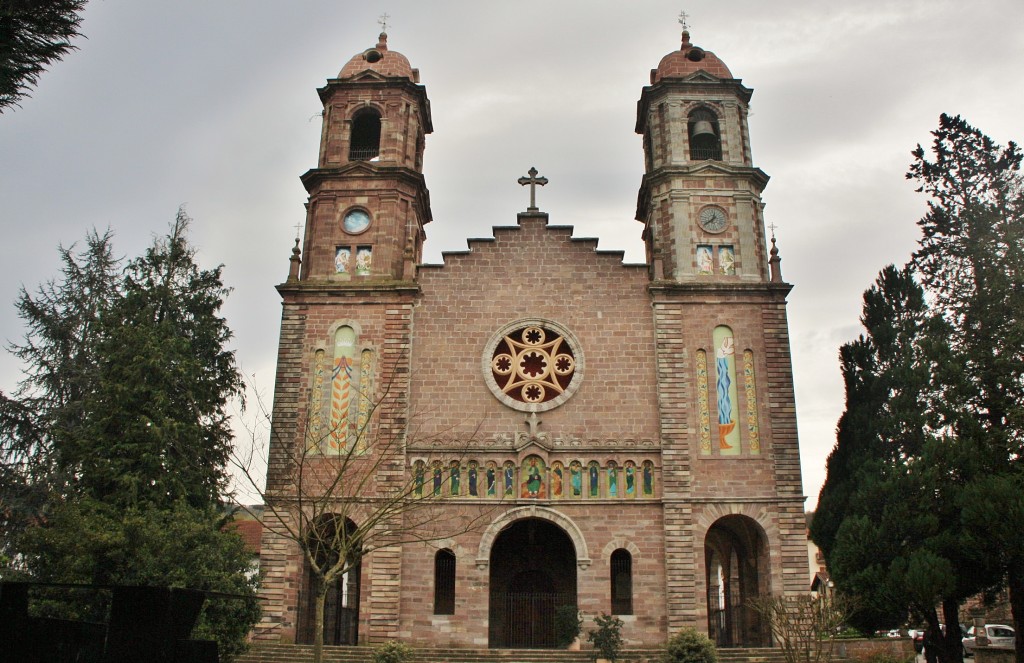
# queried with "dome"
point(687, 60)
point(381, 60)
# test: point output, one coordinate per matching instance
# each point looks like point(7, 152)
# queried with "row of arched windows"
point(534, 479)
point(621, 590)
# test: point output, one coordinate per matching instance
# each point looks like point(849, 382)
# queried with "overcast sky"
point(212, 104)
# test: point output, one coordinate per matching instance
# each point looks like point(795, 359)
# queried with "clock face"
point(713, 219)
point(356, 221)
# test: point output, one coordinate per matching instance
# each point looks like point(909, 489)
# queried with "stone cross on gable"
point(533, 422)
point(533, 181)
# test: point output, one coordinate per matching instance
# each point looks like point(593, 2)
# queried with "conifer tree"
point(33, 35)
point(971, 262)
point(929, 449)
point(116, 442)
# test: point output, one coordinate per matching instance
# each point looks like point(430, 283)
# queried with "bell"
point(703, 128)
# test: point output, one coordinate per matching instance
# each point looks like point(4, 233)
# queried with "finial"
point(775, 262)
point(383, 21)
point(298, 226)
point(684, 21)
point(294, 262)
point(533, 181)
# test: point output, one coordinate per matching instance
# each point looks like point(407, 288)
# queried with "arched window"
point(622, 582)
point(705, 138)
point(444, 582)
point(365, 143)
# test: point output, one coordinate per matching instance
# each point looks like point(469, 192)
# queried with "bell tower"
point(368, 202)
point(346, 325)
point(700, 199)
point(730, 453)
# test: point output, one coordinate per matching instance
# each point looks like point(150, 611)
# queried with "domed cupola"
point(390, 64)
point(688, 60)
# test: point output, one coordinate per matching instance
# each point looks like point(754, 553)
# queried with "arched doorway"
point(736, 567)
point(532, 572)
point(341, 605)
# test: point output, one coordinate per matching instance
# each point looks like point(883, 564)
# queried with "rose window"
point(533, 365)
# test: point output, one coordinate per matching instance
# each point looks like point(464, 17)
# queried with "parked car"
point(999, 636)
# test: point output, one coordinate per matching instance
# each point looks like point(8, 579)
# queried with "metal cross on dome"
point(383, 20)
point(683, 16)
point(533, 181)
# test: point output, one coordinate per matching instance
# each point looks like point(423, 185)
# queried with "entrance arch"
point(532, 572)
point(341, 605)
point(736, 568)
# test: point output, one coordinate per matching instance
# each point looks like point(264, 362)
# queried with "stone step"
point(264, 653)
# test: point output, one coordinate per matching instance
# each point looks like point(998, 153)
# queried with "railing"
point(363, 153)
point(705, 153)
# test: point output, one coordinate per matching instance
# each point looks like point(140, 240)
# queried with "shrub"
point(689, 646)
point(568, 625)
point(607, 637)
point(392, 652)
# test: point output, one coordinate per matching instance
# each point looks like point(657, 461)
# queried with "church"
point(573, 431)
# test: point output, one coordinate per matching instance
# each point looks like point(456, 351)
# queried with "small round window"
point(356, 221)
point(533, 365)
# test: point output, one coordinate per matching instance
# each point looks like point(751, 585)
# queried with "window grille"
point(444, 582)
point(622, 582)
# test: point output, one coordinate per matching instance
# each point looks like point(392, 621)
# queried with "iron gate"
point(530, 617)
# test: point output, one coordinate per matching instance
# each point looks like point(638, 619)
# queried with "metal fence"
point(529, 617)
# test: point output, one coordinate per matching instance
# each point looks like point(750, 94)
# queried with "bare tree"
point(346, 491)
point(804, 626)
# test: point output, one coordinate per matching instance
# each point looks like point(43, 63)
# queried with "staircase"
point(264, 653)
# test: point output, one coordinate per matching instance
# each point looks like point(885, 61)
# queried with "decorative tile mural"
point(703, 413)
point(725, 383)
point(342, 260)
point(364, 259)
point(754, 443)
point(726, 260)
point(705, 259)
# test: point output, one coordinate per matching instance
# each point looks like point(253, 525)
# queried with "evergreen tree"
point(33, 35)
point(118, 432)
point(922, 504)
point(155, 428)
point(59, 354)
point(881, 511)
point(971, 261)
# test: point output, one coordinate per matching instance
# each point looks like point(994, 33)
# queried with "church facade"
point(616, 438)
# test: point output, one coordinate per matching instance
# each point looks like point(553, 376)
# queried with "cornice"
point(377, 82)
point(733, 86)
point(666, 287)
point(367, 169)
point(321, 287)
